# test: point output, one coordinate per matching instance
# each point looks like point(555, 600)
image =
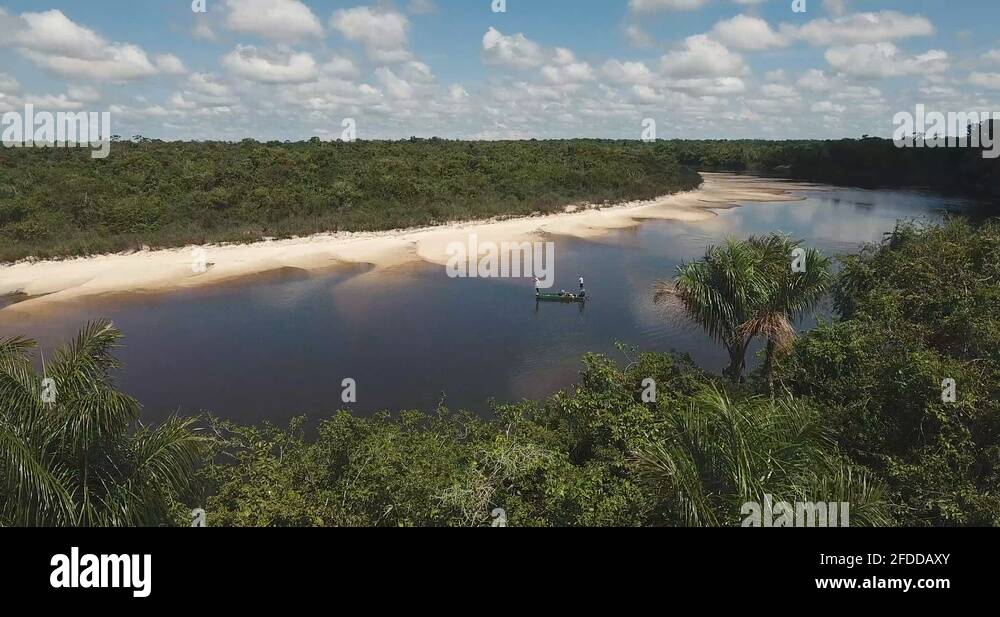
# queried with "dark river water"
point(279, 345)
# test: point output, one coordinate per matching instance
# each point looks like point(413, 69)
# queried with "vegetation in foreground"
point(917, 310)
point(855, 414)
point(743, 290)
point(60, 202)
point(69, 455)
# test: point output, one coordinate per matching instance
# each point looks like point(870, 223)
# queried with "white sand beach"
point(46, 282)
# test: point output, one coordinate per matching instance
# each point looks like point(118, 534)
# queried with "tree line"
point(150, 193)
point(59, 202)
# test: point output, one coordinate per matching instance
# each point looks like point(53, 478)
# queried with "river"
point(279, 345)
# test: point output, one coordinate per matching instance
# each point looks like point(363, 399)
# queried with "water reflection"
point(280, 345)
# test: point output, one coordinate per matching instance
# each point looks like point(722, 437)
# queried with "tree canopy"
point(60, 202)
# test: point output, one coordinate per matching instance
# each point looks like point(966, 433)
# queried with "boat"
point(559, 297)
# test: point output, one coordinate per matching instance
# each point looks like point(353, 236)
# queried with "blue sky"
point(291, 69)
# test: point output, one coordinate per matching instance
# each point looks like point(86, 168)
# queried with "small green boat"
point(560, 297)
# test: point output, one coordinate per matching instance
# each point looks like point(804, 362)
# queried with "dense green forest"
point(850, 411)
point(60, 202)
point(869, 162)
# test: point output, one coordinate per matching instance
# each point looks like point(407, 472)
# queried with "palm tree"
point(791, 294)
point(713, 455)
point(721, 292)
point(74, 459)
point(745, 289)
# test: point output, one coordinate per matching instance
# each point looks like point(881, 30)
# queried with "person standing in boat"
point(583, 292)
point(538, 285)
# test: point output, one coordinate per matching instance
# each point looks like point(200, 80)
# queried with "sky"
point(294, 69)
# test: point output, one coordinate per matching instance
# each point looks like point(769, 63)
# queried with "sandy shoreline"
point(48, 282)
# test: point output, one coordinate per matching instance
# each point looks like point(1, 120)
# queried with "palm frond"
point(33, 483)
point(78, 461)
point(169, 454)
point(772, 326)
point(87, 361)
point(715, 454)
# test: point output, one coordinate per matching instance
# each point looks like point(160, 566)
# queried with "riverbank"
point(42, 283)
point(56, 204)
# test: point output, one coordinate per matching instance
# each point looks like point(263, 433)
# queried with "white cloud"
point(280, 20)
point(52, 33)
point(627, 72)
point(383, 33)
point(395, 86)
point(938, 93)
point(637, 37)
point(74, 99)
point(847, 92)
point(329, 94)
point(417, 72)
point(203, 30)
point(208, 84)
point(986, 80)
point(568, 73)
point(8, 84)
point(779, 91)
point(563, 56)
point(702, 56)
point(826, 107)
point(517, 51)
point(754, 33)
point(49, 102)
point(122, 63)
point(339, 66)
point(701, 87)
point(883, 60)
point(647, 94)
point(179, 101)
point(837, 8)
point(878, 27)
point(714, 86)
point(57, 44)
point(816, 80)
point(170, 64)
point(203, 90)
point(86, 94)
point(272, 66)
point(745, 32)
